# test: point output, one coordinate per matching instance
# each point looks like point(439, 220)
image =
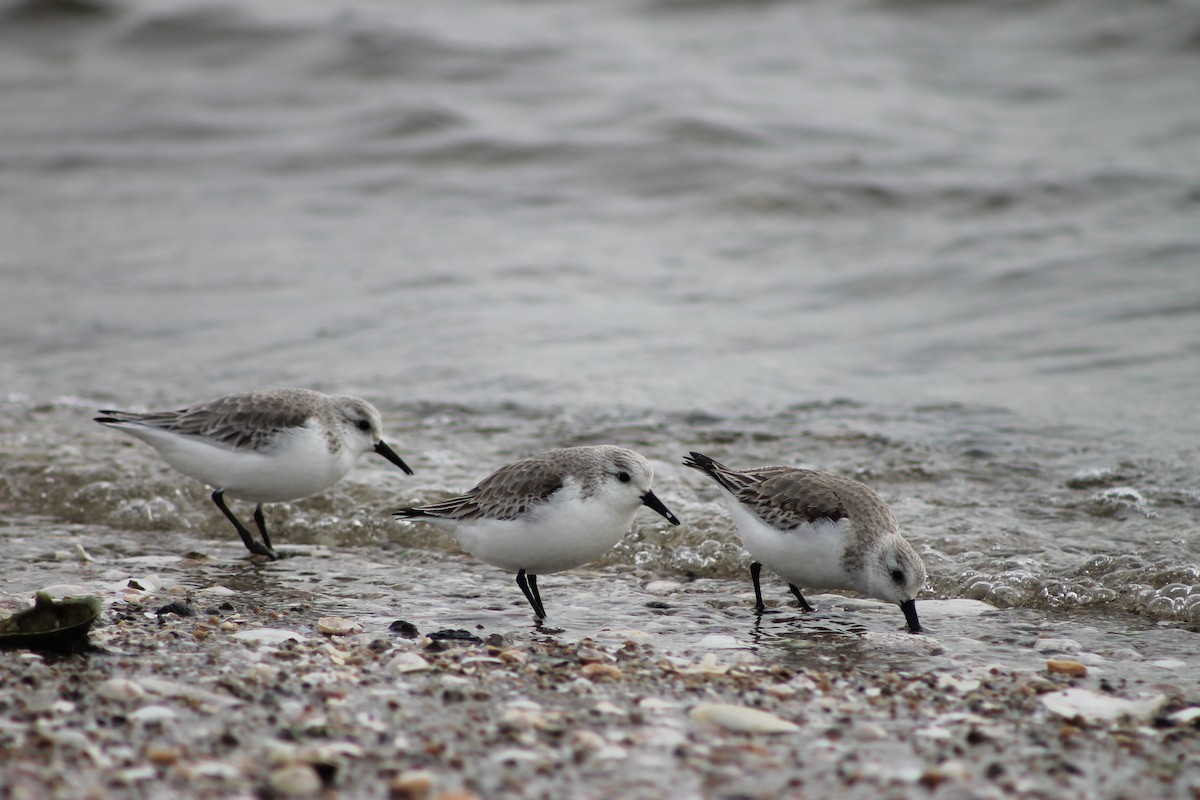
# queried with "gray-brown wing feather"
point(505, 494)
point(786, 498)
point(239, 421)
point(783, 497)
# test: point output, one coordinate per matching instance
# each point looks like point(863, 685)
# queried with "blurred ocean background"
point(949, 248)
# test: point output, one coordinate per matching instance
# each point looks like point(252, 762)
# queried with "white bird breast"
point(565, 533)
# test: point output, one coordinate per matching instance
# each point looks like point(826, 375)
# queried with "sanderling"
point(821, 531)
point(548, 513)
point(265, 447)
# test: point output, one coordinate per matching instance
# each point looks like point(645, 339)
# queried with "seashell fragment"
point(338, 626)
point(267, 636)
point(407, 662)
point(121, 690)
point(741, 719)
point(152, 714)
point(1093, 707)
point(599, 672)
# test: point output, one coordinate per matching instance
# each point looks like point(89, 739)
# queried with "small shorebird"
point(820, 531)
point(264, 447)
point(548, 513)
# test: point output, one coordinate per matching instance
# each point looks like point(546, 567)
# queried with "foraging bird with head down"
point(548, 513)
point(820, 531)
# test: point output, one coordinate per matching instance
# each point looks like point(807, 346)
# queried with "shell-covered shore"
point(212, 676)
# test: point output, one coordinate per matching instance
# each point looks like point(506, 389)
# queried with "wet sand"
point(279, 688)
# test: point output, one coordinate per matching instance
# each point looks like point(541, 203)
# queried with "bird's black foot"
point(262, 550)
point(251, 543)
point(529, 587)
point(804, 606)
point(755, 569)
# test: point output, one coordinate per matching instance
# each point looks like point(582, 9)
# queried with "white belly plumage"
point(560, 535)
point(809, 556)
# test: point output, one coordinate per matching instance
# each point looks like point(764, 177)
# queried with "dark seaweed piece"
point(180, 609)
point(405, 629)
point(455, 636)
point(53, 625)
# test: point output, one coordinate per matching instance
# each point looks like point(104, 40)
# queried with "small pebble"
point(177, 608)
point(513, 656)
point(1063, 667)
point(605, 707)
point(587, 741)
point(120, 690)
point(957, 684)
point(1057, 646)
point(295, 780)
point(455, 636)
point(405, 629)
point(599, 672)
point(870, 732)
point(163, 754)
point(412, 785)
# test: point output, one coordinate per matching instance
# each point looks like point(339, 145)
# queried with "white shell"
point(295, 780)
point(121, 690)
point(153, 714)
point(1093, 707)
point(407, 662)
point(267, 636)
point(338, 626)
point(741, 719)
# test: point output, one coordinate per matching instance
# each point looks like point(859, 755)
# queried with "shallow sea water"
point(680, 616)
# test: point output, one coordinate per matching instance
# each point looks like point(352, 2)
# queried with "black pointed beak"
point(390, 454)
point(909, 607)
point(650, 500)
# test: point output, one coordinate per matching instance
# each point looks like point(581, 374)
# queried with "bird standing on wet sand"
point(264, 447)
point(820, 531)
point(548, 513)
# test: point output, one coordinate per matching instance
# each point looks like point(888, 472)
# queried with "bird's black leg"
point(531, 595)
point(799, 597)
point(536, 594)
point(262, 526)
point(755, 569)
point(254, 547)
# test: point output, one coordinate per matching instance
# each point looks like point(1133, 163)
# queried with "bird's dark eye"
point(623, 477)
point(363, 425)
point(897, 576)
